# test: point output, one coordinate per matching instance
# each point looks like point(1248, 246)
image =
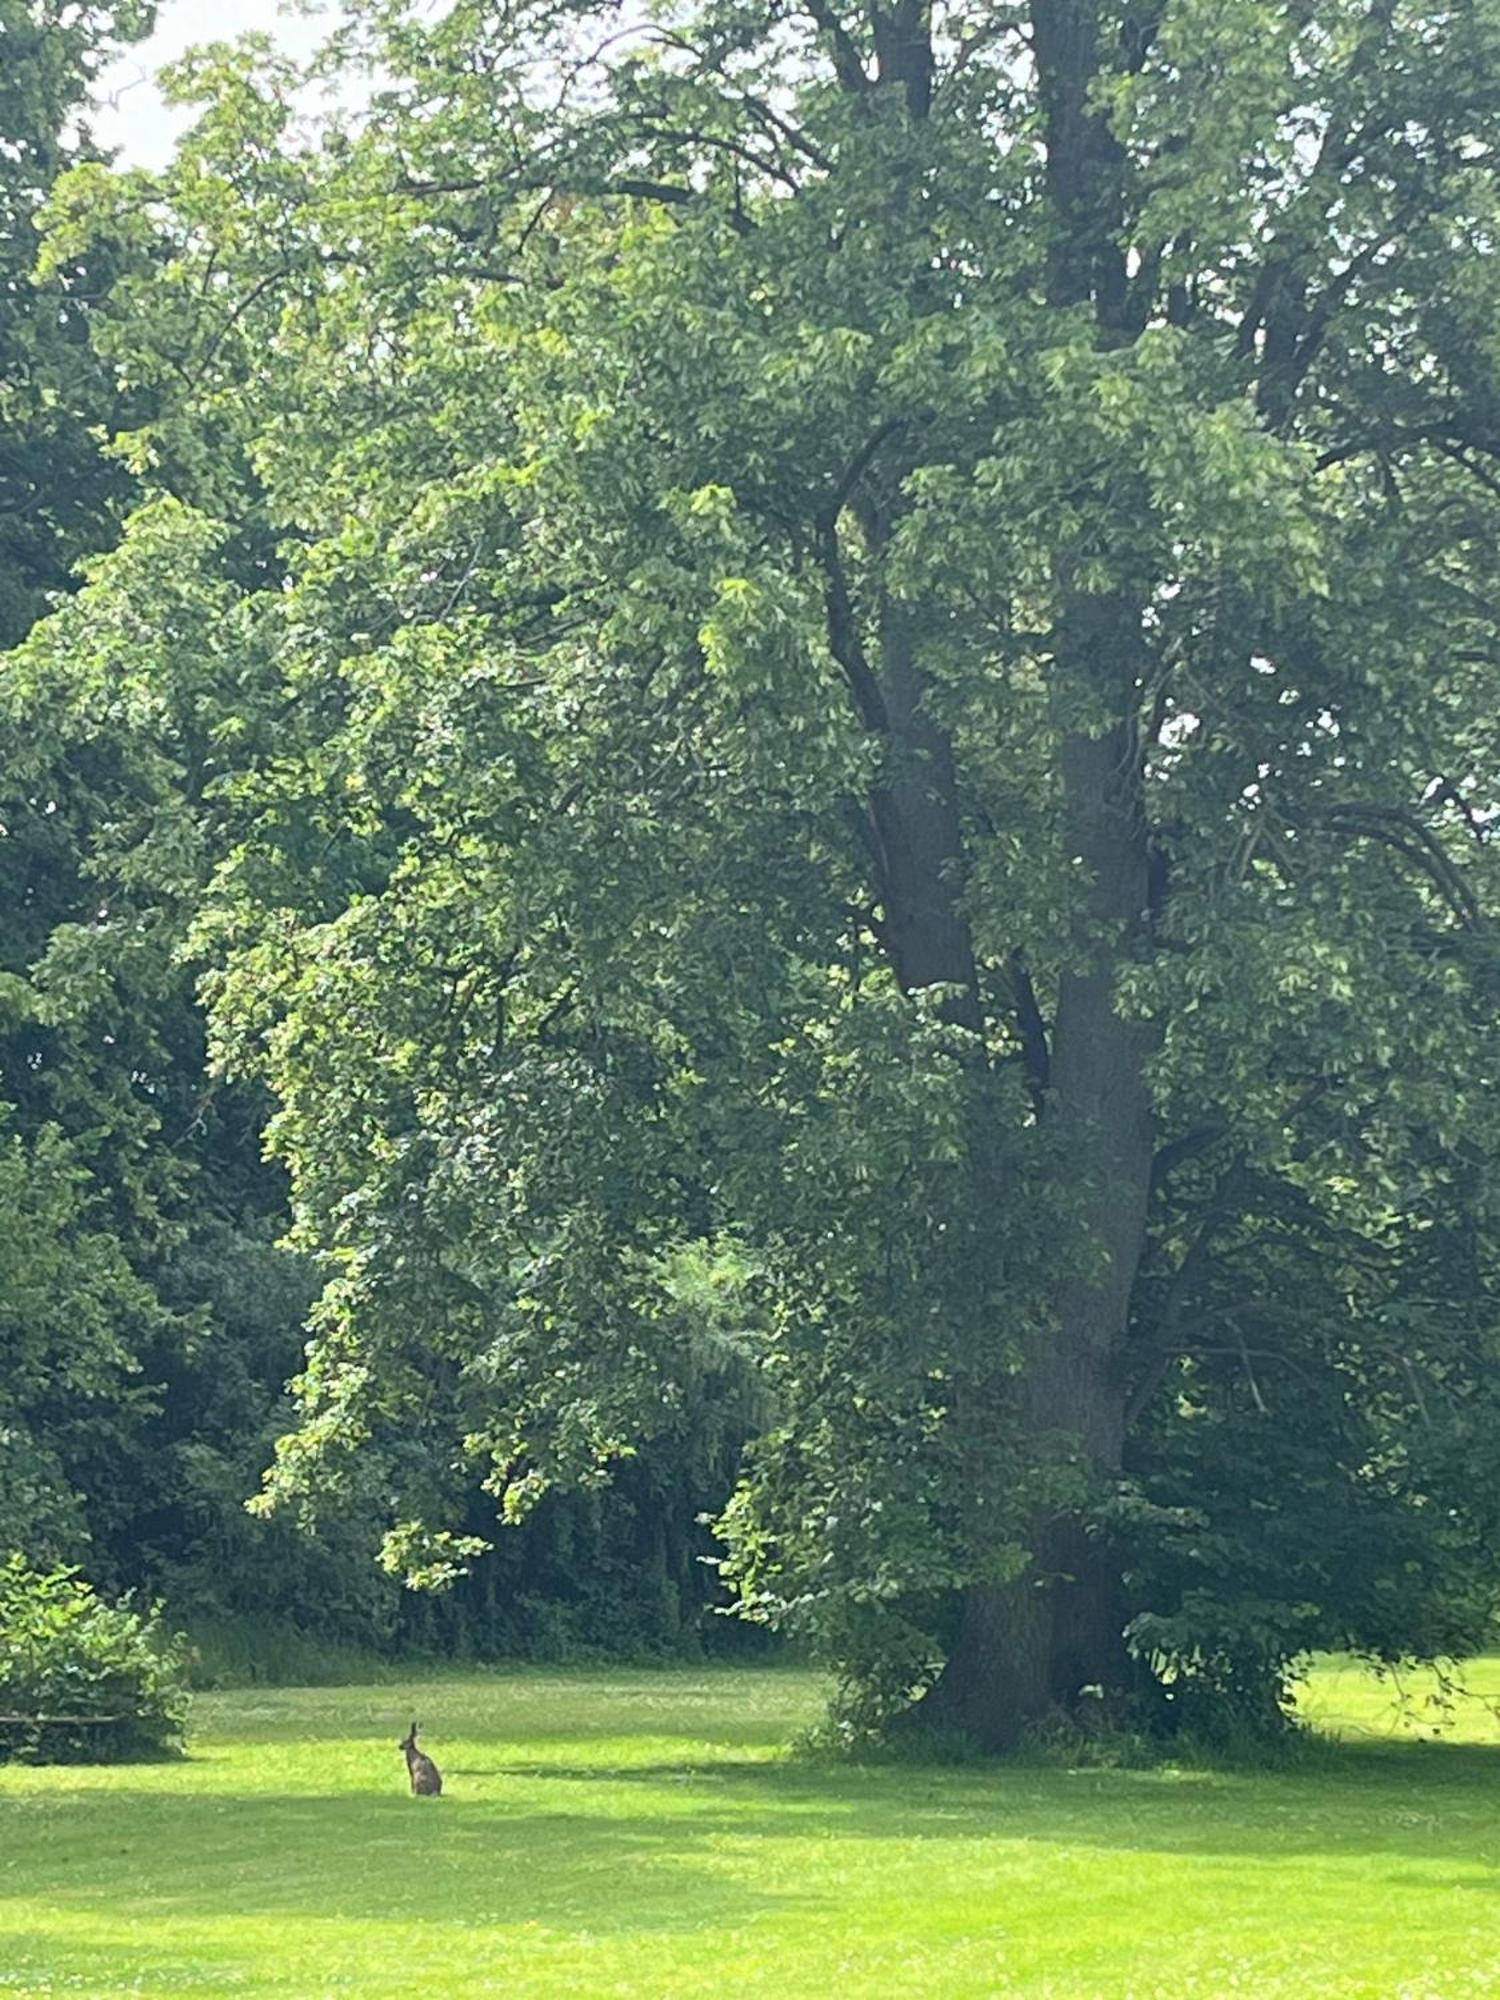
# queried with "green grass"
point(644, 1834)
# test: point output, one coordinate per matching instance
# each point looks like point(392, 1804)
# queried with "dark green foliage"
point(149, 1322)
point(59, 497)
point(83, 1681)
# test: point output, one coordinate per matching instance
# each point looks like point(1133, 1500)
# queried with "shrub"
point(82, 1681)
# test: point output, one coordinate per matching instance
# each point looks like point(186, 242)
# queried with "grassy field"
point(643, 1834)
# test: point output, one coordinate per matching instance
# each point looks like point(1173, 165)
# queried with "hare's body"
point(426, 1778)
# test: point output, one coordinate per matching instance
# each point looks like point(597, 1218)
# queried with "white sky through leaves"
point(131, 115)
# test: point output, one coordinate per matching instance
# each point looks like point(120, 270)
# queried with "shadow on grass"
point(654, 1847)
point(212, 1856)
point(1422, 1801)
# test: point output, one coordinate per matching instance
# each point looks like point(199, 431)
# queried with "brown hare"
point(426, 1778)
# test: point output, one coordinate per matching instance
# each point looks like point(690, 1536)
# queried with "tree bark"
point(1033, 1646)
point(918, 837)
point(1101, 1106)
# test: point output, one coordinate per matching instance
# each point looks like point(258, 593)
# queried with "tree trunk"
point(1021, 1649)
point(1024, 1649)
point(1032, 1646)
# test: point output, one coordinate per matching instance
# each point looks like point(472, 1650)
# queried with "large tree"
point(888, 632)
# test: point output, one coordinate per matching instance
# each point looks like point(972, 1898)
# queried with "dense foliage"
point(816, 685)
point(57, 494)
point(149, 1317)
point(147, 1324)
point(82, 1681)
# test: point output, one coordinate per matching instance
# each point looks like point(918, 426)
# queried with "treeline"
point(151, 1314)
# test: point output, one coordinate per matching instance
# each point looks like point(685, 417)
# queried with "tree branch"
point(843, 633)
point(1402, 831)
point(1031, 1024)
point(667, 192)
point(1187, 1147)
point(848, 65)
point(857, 467)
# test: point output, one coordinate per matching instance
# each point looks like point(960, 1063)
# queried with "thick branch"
point(844, 641)
point(1185, 1147)
point(848, 66)
point(903, 51)
point(1032, 1027)
point(1085, 162)
point(1406, 835)
point(665, 192)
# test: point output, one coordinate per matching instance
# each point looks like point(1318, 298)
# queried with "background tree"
point(69, 1302)
point(149, 1319)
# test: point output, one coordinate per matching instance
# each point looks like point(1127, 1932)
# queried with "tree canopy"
point(847, 794)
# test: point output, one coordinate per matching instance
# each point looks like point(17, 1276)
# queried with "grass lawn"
point(643, 1834)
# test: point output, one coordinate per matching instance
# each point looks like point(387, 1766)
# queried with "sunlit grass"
point(644, 1834)
point(1344, 1699)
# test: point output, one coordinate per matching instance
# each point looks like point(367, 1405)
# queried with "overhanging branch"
point(1404, 833)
